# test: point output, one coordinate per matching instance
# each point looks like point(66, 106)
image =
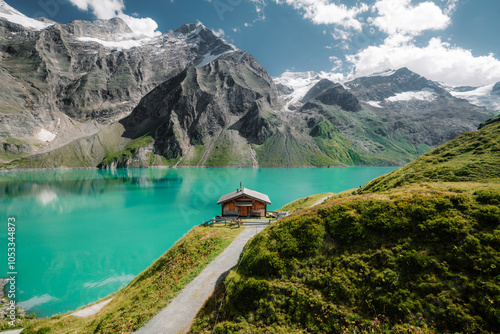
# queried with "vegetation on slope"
point(472, 156)
point(414, 257)
point(291, 149)
point(129, 151)
point(150, 291)
point(414, 260)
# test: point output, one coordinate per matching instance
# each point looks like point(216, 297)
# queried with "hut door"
point(244, 211)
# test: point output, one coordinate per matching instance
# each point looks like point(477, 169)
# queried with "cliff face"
point(66, 82)
point(212, 113)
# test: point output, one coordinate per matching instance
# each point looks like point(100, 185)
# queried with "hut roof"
point(245, 192)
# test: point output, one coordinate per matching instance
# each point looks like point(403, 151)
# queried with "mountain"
point(68, 81)
point(419, 256)
point(12, 15)
point(486, 96)
point(210, 114)
point(89, 94)
point(389, 117)
point(228, 112)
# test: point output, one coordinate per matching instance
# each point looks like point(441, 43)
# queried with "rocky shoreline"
point(5, 302)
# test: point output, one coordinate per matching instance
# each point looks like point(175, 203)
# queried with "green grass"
point(150, 291)
point(417, 260)
point(284, 149)
point(129, 151)
point(196, 157)
point(221, 154)
point(472, 156)
point(7, 156)
point(419, 254)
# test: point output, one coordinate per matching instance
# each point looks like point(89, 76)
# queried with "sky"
point(452, 41)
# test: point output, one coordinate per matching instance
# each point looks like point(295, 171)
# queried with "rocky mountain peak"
point(190, 28)
point(379, 87)
point(102, 29)
point(12, 15)
point(496, 89)
point(333, 94)
point(6, 9)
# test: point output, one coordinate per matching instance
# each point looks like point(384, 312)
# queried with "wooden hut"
point(244, 203)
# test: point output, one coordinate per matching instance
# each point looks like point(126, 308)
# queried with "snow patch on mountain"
point(386, 73)
point(117, 44)
point(208, 58)
point(14, 16)
point(423, 95)
point(480, 96)
point(45, 135)
point(375, 104)
point(299, 82)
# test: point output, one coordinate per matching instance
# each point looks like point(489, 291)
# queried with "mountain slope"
point(418, 258)
point(209, 113)
point(68, 81)
point(224, 113)
point(472, 156)
point(486, 96)
point(386, 118)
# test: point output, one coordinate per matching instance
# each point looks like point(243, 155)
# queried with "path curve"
point(91, 310)
point(321, 201)
point(177, 316)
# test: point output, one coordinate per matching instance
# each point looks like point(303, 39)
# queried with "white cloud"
point(451, 5)
point(437, 61)
point(399, 16)
point(324, 12)
point(219, 32)
point(106, 9)
point(142, 26)
point(102, 9)
point(341, 34)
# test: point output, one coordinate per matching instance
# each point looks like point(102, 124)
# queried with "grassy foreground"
point(414, 251)
point(150, 291)
point(422, 259)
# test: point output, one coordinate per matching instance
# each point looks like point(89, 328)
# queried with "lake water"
point(83, 234)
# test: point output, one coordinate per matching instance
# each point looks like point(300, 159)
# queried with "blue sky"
point(454, 41)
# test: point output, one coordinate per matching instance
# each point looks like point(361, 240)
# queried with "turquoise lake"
point(84, 234)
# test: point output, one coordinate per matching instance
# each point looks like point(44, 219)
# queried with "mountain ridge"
point(69, 82)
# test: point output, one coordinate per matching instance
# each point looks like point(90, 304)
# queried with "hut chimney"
point(240, 187)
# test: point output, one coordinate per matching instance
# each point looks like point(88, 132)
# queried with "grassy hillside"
point(417, 256)
point(472, 156)
point(418, 260)
point(149, 292)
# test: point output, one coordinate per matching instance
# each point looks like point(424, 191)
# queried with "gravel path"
point(179, 314)
point(91, 310)
point(14, 331)
point(321, 201)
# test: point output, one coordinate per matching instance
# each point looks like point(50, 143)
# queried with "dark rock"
point(496, 89)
